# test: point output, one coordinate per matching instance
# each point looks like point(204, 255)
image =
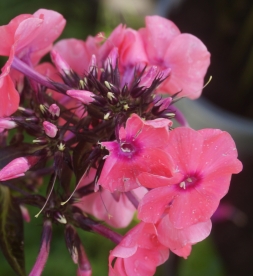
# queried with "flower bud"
point(84, 96)
point(50, 129)
point(44, 249)
point(61, 65)
point(17, 167)
point(54, 110)
point(7, 123)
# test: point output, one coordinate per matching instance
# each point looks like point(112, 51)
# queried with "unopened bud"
point(61, 65)
point(54, 110)
point(17, 167)
point(50, 129)
point(84, 96)
point(7, 123)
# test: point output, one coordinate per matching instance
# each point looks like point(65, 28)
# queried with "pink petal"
point(132, 51)
point(191, 207)
point(219, 153)
point(183, 252)
point(26, 32)
point(157, 36)
point(120, 172)
point(9, 96)
point(145, 261)
point(7, 33)
point(72, 51)
point(188, 59)
point(178, 238)
point(52, 27)
point(185, 148)
point(154, 203)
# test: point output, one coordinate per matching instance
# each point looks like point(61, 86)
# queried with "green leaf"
point(11, 231)
point(204, 260)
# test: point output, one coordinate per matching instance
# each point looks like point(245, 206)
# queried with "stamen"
point(48, 196)
point(106, 116)
point(63, 203)
point(182, 185)
point(110, 96)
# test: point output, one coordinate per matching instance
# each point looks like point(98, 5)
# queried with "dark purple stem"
point(132, 198)
point(31, 73)
point(86, 223)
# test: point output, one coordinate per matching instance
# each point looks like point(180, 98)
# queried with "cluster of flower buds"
point(98, 123)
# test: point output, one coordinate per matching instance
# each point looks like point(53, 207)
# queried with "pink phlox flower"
point(114, 209)
point(184, 54)
point(139, 253)
point(205, 161)
point(130, 48)
point(72, 51)
point(140, 149)
point(27, 37)
point(17, 167)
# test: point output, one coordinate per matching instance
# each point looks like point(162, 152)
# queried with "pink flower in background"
point(184, 54)
point(114, 209)
point(139, 253)
point(27, 37)
point(205, 160)
point(73, 50)
point(140, 149)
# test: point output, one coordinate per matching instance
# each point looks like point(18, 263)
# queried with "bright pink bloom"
point(27, 37)
point(17, 167)
point(205, 161)
point(140, 149)
point(50, 129)
point(139, 253)
point(184, 54)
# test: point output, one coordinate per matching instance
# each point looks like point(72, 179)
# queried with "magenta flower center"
point(189, 182)
point(128, 149)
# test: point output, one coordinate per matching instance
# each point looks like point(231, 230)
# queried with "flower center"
point(188, 182)
point(127, 147)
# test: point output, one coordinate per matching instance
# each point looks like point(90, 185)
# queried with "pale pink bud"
point(6, 123)
point(17, 167)
point(50, 129)
point(150, 75)
point(93, 62)
point(44, 249)
point(60, 63)
point(112, 58)
point(54, 110)
point(164, 103)
point(84, 96)
point(25, 213)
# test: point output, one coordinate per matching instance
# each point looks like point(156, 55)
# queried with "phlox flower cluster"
point(99, 121)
